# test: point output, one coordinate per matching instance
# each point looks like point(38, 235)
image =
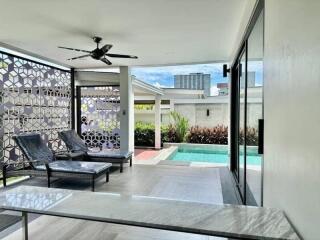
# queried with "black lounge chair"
point(41, 162)
point(75, 144)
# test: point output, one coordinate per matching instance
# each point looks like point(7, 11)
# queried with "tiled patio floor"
point(145, 154)
point(180, 183)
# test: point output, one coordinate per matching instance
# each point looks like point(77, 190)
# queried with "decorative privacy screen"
point(99, 124)
point(34, 98)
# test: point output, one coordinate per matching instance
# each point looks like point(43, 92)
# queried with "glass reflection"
point(37, 198)
point(254, 113)
point(242, 84)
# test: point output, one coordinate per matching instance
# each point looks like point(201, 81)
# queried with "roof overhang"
point(158, 32)
point(145, 88)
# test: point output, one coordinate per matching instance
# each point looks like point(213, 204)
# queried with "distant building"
point(223, 89)
point(196, 81)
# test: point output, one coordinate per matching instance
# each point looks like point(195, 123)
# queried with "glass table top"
point(209, 219)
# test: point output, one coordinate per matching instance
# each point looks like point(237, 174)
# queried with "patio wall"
point(292, 112)
point(85, 78)
point(35, 98)
point(100, 116)
point(197, 114)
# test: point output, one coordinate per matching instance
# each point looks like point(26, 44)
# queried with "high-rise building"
point(196, 81)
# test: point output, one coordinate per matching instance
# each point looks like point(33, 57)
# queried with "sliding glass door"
point(242, 121)
point(247, 113)
point(254, 121)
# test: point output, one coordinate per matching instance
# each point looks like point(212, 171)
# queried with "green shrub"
point(143, 106)
point(168, 134)
point(219, 135)
point(204, 135)
point(144, 134)
point(180, 126)
point(252, 136)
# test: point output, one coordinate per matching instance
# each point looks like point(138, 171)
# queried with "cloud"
point(165, 75)
point(158, 85)
point(214, 91)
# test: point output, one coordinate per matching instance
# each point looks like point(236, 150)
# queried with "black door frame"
point(236, 72)
point(234, 95)
point(73, 100)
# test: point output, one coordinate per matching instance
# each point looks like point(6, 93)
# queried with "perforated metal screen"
point(33, 98)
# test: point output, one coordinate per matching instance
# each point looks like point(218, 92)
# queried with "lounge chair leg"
point(49, 182)
point(48, 174)
point(92, 184)
point(107, 176)
point(121, 167)
point(4, 175)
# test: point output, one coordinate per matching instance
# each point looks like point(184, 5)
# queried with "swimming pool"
point(210, 156)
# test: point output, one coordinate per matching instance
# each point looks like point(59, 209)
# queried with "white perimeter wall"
point(197, 114)
point(292, 112)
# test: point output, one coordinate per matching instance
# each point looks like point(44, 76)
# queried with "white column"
point(157, 122)
point(171, 105)
point(126, 110)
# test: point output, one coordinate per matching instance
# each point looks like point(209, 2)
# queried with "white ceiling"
point(157, 31)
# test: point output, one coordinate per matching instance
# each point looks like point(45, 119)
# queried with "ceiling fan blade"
point(106, 61)
point(120, 55)
point(75, 49)
point(83, 56)
point(106, 48)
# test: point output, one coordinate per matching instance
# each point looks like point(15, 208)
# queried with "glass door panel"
point(247, 113)
point(254, 113)
point(242, 122)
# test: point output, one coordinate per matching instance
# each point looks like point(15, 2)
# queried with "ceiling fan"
point(98, 53)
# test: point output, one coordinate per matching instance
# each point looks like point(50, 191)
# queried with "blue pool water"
point(210, 156)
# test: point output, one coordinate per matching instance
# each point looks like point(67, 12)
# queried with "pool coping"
point(166, 153)
point(172, 148)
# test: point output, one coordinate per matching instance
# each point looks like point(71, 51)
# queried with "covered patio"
point(203, 185)
point(67, 123)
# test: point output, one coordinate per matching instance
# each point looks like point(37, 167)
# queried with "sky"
point(164, 76)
